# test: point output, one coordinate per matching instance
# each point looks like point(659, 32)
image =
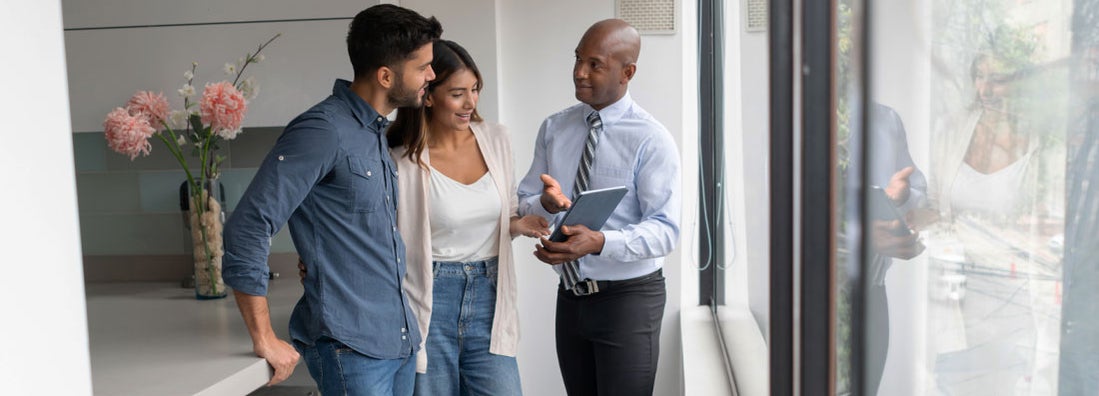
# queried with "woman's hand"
point(531, 226)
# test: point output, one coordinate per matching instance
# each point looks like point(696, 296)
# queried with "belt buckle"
point(589, 287)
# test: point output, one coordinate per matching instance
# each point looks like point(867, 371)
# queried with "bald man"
point(610, 303)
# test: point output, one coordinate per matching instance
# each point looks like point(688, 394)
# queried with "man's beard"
point(402, 96)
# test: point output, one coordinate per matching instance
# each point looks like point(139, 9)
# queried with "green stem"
point(174, 149)
point(251, 57)
point(209, 257)
point(198, 202)
point(204, 155)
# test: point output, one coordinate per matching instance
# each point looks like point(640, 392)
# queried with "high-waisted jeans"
point(458, 360)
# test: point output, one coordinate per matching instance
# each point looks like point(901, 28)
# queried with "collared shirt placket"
point(391, 212)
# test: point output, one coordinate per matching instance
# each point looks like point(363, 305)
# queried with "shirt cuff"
point(614, 244)
point(252, 283)
point(914, 198)
point(538, 209)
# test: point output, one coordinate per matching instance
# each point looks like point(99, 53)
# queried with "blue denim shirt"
point(331, 178)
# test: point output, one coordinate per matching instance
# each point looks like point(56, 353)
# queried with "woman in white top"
point(457, 216)
point(985, 184)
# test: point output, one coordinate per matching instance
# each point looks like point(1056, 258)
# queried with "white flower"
point(189, 75)
point(178, 120)
point(259, 58)
point(230, 68)
point(249, 88)
point(187, 91)
point(181, 141)
point(228, 134)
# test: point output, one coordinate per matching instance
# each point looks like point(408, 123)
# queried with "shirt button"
point(398, 260)
point(404, 330)
point(369, 173)
point(468, 268)
point(281, 158)
point(394, 229)
point(404, 337)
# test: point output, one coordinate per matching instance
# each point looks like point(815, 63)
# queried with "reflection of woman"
point(457, 215)
point(984, 179)
point(984, 158)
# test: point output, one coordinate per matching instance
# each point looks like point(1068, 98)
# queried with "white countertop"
point(157, 339)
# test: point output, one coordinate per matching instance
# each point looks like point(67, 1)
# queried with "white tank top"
point(465, 219)
point(995, 193)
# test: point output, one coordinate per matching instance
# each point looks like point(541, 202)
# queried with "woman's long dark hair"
point(410, 127)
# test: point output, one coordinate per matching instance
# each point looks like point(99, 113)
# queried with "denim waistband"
point(486, 267)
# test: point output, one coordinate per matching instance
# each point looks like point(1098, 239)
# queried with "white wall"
point(471, 24)
point(42, 291)
point(107, 66)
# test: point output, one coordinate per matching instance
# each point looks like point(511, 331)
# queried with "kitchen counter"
point(157, 339)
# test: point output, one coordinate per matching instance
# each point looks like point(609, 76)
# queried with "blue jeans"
point(340, 371)
point(458, 361)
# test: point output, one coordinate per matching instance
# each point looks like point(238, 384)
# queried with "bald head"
point(606, 60)
point(620, 40)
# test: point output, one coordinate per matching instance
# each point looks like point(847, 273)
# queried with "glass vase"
point(207, 221)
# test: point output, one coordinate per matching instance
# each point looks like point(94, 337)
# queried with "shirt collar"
point(362, 111)
point(614, 112)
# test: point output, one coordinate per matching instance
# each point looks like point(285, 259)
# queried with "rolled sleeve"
point(304, 153)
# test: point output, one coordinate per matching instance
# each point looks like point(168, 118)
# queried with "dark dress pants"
point(608, 343)
point(877, 338)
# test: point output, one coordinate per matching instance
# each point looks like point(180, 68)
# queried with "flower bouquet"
point(200, 126)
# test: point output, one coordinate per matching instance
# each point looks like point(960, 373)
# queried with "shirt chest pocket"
point(367, 183)
point(610, 176)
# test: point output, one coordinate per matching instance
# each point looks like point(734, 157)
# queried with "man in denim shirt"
point(331, 178)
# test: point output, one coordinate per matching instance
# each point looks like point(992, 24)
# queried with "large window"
point(916, 209)
point(965, 201)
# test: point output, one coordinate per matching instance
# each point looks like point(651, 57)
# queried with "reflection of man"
point(611, 301)
point(890, 167)
point(331, 176)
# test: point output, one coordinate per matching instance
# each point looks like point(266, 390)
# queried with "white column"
point(45, 331)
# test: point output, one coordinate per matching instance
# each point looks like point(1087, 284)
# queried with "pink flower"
point(128, 134)
point(222, 107)
point(154, 107)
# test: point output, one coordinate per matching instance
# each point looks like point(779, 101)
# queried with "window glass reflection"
point(996, 198)
point(990, 202)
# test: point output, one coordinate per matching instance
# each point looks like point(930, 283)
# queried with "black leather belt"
point(588, 286)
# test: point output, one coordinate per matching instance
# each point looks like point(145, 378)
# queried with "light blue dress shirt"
point(636, 151)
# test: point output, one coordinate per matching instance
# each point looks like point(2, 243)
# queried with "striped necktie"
point(570, 275)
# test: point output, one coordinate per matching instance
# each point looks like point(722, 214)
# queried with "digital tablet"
point(882, 209)
point(591, 208)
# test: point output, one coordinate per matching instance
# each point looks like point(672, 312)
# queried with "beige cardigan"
point(415, 229)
